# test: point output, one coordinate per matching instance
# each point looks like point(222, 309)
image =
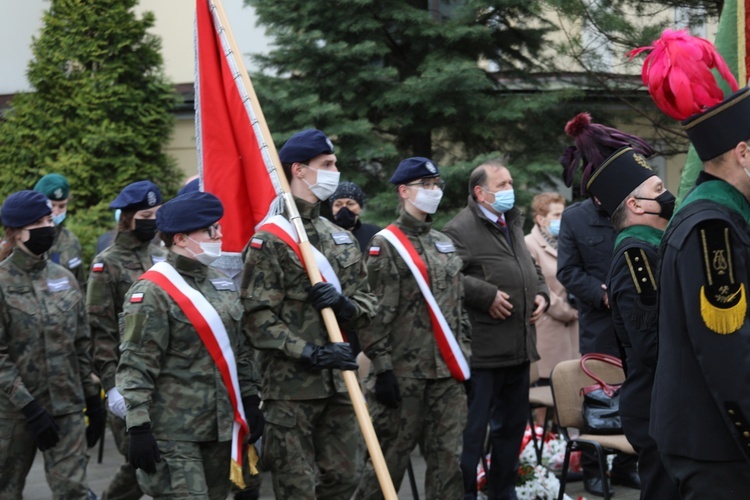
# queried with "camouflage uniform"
point(44, 356)
point(432, 410)
point(112, 274)
point(311, 443)
point(169, 379)
point(67, 252)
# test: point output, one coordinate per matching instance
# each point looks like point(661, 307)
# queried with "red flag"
point(229, 156)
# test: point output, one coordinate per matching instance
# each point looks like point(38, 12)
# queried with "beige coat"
point(557, 329)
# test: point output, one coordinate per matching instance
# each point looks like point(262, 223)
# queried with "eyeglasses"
point(429, 184)
point(213, 230)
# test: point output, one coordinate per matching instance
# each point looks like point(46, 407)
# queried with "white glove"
point(116, 403)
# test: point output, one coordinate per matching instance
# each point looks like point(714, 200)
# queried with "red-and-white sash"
point(444, 337)
point(207, 322)
point(283, 229)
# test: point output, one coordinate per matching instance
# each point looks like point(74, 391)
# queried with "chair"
point(566, 381)
point(539, 397)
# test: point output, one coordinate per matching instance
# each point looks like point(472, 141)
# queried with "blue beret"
point(190, 187)
point(24, 207)
point(139, 195)
point(305, 145)
point(414, 168)
point(189, 212)
point(53, 186)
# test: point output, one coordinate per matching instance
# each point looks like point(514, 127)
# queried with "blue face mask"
point(504, 200)
point(554, 227)
point(59, 218)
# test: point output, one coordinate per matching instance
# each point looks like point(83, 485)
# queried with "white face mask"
point(211, 251)
point(427, 200)
point(326, 184)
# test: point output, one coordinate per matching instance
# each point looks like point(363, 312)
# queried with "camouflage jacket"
point(112, 274)
point(401, 337)
point(278, 319)
point(45, 346)
point(67, 251)
point(166, 374)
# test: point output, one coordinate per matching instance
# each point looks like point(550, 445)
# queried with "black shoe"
point(594, 486)
point(629, 479)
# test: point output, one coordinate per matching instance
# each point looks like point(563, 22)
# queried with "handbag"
point(601, 401)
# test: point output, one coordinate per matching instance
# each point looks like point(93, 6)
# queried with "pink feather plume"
point(677, 72)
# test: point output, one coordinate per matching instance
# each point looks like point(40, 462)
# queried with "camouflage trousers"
point(312, 448)
point(431, 413)
point(64, 464)
point(189, 470)
point(124, 486)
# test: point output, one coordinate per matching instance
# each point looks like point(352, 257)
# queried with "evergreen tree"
point(99, 112)
point(388, 79)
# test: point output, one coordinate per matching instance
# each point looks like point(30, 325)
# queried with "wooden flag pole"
point(329, 318)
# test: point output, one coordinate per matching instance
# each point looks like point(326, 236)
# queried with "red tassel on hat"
point(677, 72)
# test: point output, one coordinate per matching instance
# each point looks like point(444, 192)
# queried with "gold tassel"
point(252, 460)
point(724, 321)
point(235, 475)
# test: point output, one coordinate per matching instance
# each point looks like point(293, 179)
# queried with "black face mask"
point(40, 239)
point(345, 218)
point(666, 201)
point(145, 229)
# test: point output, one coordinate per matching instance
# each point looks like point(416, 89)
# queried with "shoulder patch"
point(97, 267)
point(642, 274)
point(136, 298)
point(723, 297)
point(256, 243)
point(374, 251)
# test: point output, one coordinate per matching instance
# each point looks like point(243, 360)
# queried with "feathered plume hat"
point(614, 163)
point(677, 72)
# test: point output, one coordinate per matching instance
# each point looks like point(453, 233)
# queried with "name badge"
point(58, 285)
point(341, 238)
point(156, 259)
point(445, 247)
point(222, 284)
point(74, 262)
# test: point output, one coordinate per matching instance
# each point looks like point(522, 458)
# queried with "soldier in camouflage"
point(112, 273)
point(66, 250)
point(312, 445)
point(179, 411)
point(410, 391)
point(45, 361)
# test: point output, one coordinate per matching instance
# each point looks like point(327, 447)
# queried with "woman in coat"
point(557, 329)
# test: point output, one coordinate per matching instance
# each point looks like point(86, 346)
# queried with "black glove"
point(322, 295)
point(42, 425)
point(338, 355)
point(143, 452)
point(254, 416)
point(97, 420)
point(386, 389)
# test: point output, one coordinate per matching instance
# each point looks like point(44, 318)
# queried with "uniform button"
point(731, 412)
point(738, 424)
point(746, 434)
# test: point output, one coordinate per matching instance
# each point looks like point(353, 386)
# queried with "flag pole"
point(329, 318)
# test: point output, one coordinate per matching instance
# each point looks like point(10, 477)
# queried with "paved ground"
point(99, 475)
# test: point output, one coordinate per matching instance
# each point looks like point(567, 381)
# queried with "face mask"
point(145, 229)
point(59, 218)
point(504, 200)
point(427, 200)
point(211, 251)
point(666, 201)
point(554, 227)
point(326, 184)
point(40, 239)
point(345, 218)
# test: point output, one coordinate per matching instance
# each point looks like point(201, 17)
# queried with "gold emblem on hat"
point(640, 160)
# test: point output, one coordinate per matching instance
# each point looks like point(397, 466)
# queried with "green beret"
point(53, 186)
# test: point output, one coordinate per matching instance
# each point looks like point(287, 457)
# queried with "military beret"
point(190, 187)
point(24, 207)
point(348, 190)
point(414, 168)
point(139, 195)
point(305, 145)
point(53, 186)
point(189, 212)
